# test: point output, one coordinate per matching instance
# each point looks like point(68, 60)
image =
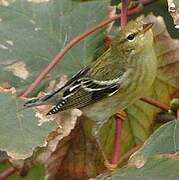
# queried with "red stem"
point(68, 46)
point(118, 121)
point(155, 103)
point(4, 175)
point(124, 11)
point(117, 141)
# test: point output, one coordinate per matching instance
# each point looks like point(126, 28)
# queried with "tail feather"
point(32, 103)
point(57, 108)
point(37, 101)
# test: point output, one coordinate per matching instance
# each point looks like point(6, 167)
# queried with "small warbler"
point(115, 80)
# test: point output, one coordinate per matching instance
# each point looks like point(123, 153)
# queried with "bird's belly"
point(133, 89)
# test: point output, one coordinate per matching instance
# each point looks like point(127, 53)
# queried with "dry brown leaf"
point(7, 90)
point(66, 122)
point(38, 1)
point(75, 156)
point(166, 50)
point(174, 12)
point(6, 2)
point(18, 69)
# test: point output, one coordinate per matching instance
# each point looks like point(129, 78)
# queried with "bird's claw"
point(110, 166)
point(121, 115)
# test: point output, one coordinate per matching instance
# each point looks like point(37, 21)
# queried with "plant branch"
point(68, 46)
point(117, 141)
point(155, 103)
point(4, 175)
point(124, 11)
point(118, 120)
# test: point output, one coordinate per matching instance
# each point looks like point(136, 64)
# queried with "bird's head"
point(135, 36)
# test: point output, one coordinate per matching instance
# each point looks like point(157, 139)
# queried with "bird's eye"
point(131, 37)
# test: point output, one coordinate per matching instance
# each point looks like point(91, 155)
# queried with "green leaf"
point(165, 140)
point(176, 3)
point(31, 34)
point(20, 133)
point(158, 167)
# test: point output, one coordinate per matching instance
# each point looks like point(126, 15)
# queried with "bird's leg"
point(121, 115)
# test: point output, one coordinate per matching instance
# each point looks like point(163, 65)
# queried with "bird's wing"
point(47, 97)
point(84, 92)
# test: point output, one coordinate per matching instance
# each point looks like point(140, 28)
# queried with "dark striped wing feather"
point(89, 85)
point(44, 99)
point(84, 92)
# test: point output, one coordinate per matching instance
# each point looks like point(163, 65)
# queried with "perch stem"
point(155, 103)
point(118, 120)
point(124, 11)
point(117, 141)
point(8, 172)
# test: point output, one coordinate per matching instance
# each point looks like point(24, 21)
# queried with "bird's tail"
point(37, 101)
point(32, 103)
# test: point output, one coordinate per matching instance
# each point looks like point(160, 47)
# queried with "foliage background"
point(31, 34)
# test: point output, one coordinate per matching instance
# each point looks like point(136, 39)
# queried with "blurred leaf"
point(163, 3)
point(31, 34)
point(20, 133)
point(167, 52)
point(173, 8)
point(176, 3)
point(3, 156)
point(74, 157)
point(165, 140)
point(158, 167)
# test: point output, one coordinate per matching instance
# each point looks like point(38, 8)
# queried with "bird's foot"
point(121, 115)
point(110, 166)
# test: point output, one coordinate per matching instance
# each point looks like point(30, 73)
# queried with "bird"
point(112, 82)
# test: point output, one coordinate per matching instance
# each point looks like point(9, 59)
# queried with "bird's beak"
point(147, 26)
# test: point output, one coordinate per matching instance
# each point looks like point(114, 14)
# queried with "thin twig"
point(68, 46)
point(124, 11)
point(4, 175)
point(155, 103)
